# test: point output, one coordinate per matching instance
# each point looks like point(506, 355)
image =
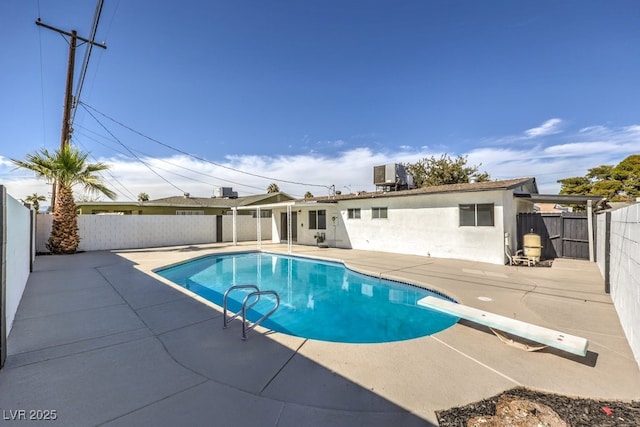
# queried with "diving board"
point(549, 337)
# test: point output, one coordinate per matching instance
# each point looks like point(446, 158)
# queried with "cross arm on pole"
point(66, 33)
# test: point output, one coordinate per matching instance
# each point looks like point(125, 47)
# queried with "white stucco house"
point(473, 221)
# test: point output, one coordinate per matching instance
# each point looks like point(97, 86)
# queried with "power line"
point(44, 126)
point(107, 171)
point(87, 56)
point(161, 160)
point(87, 107)
point(131, 152)
point(169, 163)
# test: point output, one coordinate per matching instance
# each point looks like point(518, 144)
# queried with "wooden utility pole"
point(68, 94)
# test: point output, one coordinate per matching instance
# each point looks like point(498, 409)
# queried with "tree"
point(445, 170)
point(67, 167)
point(308, 195)
point(143, 197)
point(616, 183)
point(628, 172)
point(575, 185)
point(35, 200)
point(273, 188)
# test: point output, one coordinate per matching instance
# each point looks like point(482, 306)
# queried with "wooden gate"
point(563, 235)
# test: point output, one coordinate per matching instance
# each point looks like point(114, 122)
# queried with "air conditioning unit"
point(393, 176)
point(225, 192)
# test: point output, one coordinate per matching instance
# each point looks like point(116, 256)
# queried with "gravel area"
point(575, 412)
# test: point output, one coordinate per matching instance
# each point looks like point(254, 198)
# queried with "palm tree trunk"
point(64, 237)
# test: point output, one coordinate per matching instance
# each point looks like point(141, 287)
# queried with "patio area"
point(101, 340)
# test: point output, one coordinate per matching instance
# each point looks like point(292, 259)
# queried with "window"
point(318, 220)
point(378, 213)
point(476, 215)
point(188, 212)
point(263, 214)
point(353, 213)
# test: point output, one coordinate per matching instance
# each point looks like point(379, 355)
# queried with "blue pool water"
point(318, 299)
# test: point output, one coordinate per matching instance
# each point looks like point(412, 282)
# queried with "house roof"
point(197, 202)
point(528, 186)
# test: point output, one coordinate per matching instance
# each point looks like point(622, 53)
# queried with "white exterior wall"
point(17, 252)
point(335, 233)
point(625, 272)
point(421, 225)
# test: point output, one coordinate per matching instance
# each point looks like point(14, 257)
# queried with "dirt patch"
point(575, 412)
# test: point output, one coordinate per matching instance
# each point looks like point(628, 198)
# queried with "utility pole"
point(68, 95)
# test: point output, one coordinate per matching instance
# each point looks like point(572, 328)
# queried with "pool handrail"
point(224, 303)
point(247, 305)
point(248, 328)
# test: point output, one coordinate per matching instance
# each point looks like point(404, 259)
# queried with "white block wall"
point(106, 232)
point(18, 256)
point(625, 272)
point(601, 243)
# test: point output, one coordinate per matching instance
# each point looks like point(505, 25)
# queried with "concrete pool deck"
point(101, 340)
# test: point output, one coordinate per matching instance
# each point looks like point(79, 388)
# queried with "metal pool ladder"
point(247, 305)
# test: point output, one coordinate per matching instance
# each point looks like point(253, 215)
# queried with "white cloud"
point(581, 148)
point(550, 127)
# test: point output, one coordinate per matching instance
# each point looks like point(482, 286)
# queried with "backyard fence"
point(564, 235)
point(17, 254)
point(106, 232)
point(618, 258)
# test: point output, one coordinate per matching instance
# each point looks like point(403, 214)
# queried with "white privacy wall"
point(16, 261)
point(625, 272)
point(105, 232)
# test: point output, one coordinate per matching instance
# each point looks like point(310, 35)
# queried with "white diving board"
point(548, 337)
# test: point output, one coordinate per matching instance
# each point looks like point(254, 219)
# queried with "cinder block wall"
point(15, 254)
point(624, 274)
point(106, 232)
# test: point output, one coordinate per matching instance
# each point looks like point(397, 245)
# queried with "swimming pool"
point(318, 299)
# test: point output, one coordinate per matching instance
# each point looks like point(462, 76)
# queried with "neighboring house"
point(471, 221)
point(552, 208)
point(182, 205)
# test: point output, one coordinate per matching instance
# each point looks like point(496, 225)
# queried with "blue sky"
point(319, 92)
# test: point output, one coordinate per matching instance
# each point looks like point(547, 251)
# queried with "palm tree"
point(67, 167)
point(273, 188)
point(143, 197)
point(308, 195)
point(35, 200)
